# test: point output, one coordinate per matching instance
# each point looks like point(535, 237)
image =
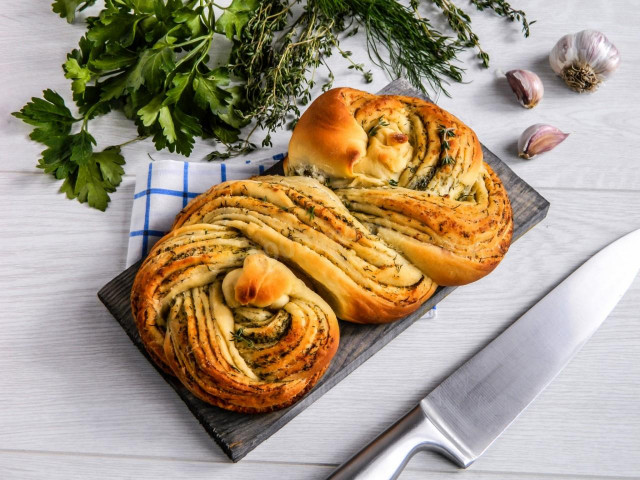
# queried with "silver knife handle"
point(386, 456)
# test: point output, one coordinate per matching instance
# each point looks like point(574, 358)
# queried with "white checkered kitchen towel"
point(164, 187)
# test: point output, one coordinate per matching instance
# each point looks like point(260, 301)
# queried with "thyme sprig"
point(381, 122)
point(238, 337)
point(445, 135)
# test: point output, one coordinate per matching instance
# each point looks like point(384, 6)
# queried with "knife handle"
point(386, 456)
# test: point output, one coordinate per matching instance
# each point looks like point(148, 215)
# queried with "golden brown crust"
point(262, 283)
point(249, 355)
point(303, 223)
point(400, 203)
point(413, 174)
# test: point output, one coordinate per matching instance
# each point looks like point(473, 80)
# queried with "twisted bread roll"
point(249, 339)
point(413, 174)
point(390, 198)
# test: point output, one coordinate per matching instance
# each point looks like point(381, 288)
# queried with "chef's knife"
point(471, 408)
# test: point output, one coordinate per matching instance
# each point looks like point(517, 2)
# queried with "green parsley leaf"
point(178, 129)
point(149, 113)
point(89, 186)
point(50, 114)
point(191, 17)
point(235, 17)
point(115, 58)
point(233, 115)
point(209, 92)
point(114, 87)
point(93, 181)
point(114, 27)
point(180, 83)
point(227, 135)
point(149, 69)
point(187, 128)
point(67, 8)
point(143, 6)
point(81, 148)
point(110, 161)
point(166, 122)
point(80, 75)
point(56, 159)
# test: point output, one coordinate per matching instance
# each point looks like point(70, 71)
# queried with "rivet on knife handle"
point(386, 456)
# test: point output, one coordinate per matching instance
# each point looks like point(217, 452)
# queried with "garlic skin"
point(584, 60)
point(539, 138)
point(527, 86)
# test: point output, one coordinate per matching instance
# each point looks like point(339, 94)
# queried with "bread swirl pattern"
point(387, 198)
point(413, 174)
point(238, 328)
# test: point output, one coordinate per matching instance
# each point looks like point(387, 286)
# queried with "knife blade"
point(463, 416)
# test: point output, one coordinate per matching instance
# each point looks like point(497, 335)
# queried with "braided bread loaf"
point(387, 197)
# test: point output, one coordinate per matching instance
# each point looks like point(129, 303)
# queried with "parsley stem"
point(137, 139)
point(87, 115)
point(189, 42)
point(184, 59)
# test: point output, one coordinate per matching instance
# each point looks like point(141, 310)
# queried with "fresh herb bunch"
point(150, 59)
point(147, 58)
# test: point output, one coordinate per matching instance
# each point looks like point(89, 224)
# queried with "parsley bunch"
point(150, 60)
point(147, 58)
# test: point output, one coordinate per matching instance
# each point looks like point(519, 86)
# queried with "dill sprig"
point(460, 22)
point(401, 41)
point(280, 48)
point(311, 212)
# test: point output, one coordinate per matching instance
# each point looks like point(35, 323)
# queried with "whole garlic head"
point(584, 59)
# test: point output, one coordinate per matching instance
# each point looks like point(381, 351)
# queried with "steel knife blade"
point(464, 415)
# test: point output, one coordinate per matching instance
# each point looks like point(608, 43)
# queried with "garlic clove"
point(584, 59)
point(527, 86)
point(539, 138)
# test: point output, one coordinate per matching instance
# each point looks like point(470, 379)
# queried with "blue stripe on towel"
point(185, 185)
point(145, 236)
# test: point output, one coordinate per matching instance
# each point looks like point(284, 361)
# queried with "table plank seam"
point(145, 458)
point(130, 176)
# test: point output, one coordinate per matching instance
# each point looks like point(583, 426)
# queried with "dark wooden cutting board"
point(237, 434)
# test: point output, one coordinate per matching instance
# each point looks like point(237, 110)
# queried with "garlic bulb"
point(527, 86)
point(584, 60)
point(539, 138)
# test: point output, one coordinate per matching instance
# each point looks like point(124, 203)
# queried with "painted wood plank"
point(30, 465)
point(72, 381)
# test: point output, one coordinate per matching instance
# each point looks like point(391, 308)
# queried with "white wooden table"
point(77, 400)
